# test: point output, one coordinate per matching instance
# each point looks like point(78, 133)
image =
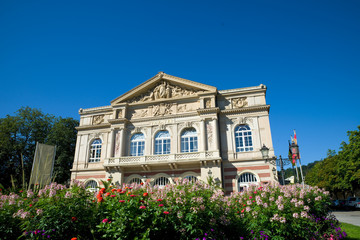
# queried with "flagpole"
point(302, 175)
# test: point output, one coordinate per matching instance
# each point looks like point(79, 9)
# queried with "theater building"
point(170, 128)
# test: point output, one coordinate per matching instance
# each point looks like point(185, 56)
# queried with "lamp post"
point(265, 154)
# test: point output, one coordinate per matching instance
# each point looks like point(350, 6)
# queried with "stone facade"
point(204, 132)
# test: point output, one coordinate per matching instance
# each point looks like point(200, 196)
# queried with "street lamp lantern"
point(265, 152)
point(274, 171)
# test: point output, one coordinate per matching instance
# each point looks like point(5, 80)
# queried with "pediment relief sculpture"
point(98, 119)
point(163, 91)
point(239, 102)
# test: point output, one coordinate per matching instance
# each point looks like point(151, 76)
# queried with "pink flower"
point(161, 205)
point(121, 200)
point(166, 212)
point(112, 195)
point(105, 220)
point(142, 207)
point(159, 200)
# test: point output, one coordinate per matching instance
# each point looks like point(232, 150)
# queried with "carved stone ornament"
point(239, 102)
point(162, 109)
point(98, 119)
point(163, 91)
point(119, 113)
point(140, 113)
point(208, 103)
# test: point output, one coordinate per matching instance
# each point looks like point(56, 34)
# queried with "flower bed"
point(179, 211)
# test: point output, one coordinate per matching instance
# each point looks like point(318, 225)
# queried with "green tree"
point(18, 137)
point(339, 173)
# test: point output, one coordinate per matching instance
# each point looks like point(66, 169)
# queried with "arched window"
point(137, 144)
point(91, 185)
point(243, 139)
point(245, 180)
point(191, 178)
point(189, 142)
point(161, 181)
point(135, 180)
point(162, 142)
point(95, 151)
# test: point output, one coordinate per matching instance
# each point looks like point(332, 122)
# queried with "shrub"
point(184, 210)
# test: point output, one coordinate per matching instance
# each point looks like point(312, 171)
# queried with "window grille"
point(162, 142)
point(243, 139)
point(189, 141)
point(91, 185)
point(161, 181)
point(95, 151)
point(137, 144)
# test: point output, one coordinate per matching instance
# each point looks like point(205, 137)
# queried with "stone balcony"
point(162, 159)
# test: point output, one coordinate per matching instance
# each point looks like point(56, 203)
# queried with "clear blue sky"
point(60, 56)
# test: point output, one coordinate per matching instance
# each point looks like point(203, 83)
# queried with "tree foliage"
point(339, 173)
point(18, 137)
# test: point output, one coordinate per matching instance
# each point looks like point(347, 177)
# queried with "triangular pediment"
point(162, 87)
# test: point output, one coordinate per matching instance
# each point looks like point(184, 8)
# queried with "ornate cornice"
point(91, 127)
point(95, 110)
point(246, 109)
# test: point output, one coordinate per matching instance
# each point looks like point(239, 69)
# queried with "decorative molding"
point(164, 90)
point(239, 102)
point(98, 119)
point(208, 110)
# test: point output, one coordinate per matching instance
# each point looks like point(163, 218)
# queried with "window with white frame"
point(91, 185)
point(243, 139)
point(95, 151)
point(135, 180)
point(189, 141)
point(245, 180)
point(161, 181)
point(162, 142)
point(137, 144)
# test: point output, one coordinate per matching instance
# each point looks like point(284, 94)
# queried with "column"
point(216, 133)
point(111, 142)
point(203, 136)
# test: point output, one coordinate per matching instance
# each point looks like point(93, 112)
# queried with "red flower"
point(99, 195)
point(109, 180)
point(132, 195)
point(145, 194)
point(107, 194)
point(105, 220)
point(21, 191)
point(121, 200)
point(159, 200)
point(102, 190)
point(74, 219)
point(113, 190)
point(255, 192)
point(142, 207)
point(141, 183)
point(119, 190)
point(112, 195)
point(30, 205)
point(242, 210)
point(166, 212)
point(100, 199)
point(74, 238)
point(161, 205)
point(244, 205)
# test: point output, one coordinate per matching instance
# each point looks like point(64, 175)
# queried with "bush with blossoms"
point(184, 210)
